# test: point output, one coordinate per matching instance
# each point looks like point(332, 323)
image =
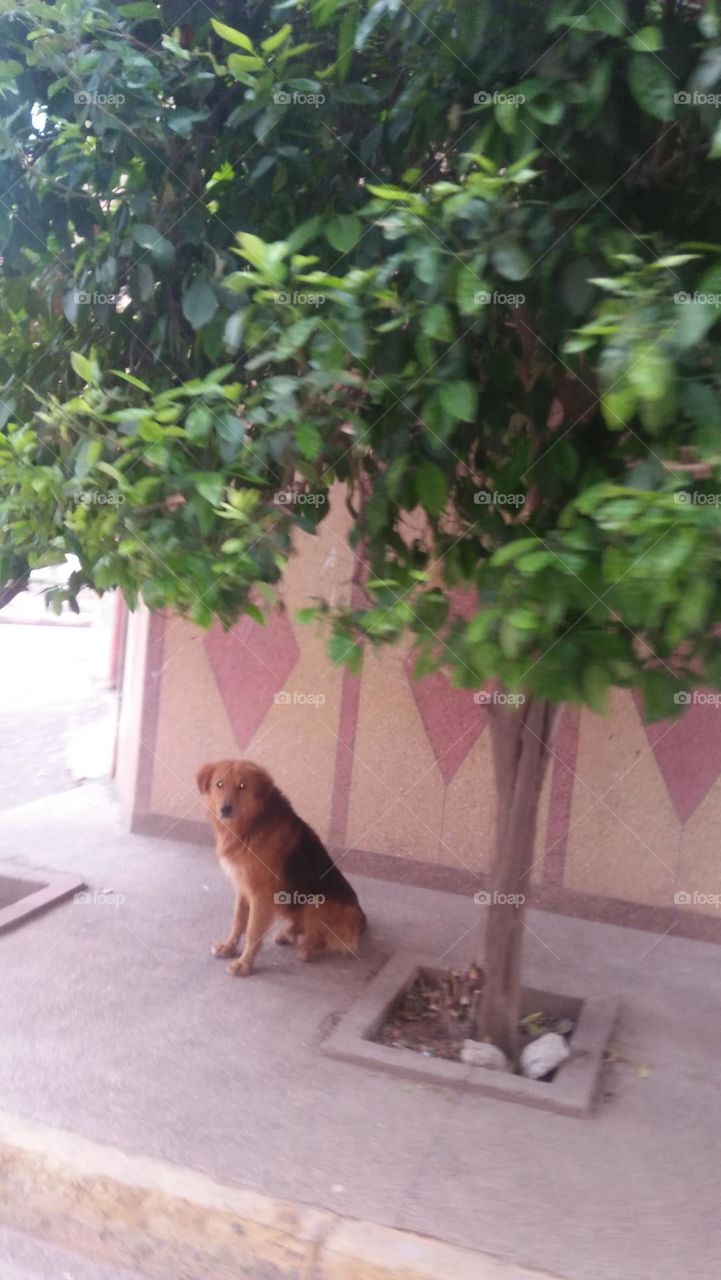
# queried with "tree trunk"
point(521, 746)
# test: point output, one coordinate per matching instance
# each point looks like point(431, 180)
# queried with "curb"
point(173, 1223)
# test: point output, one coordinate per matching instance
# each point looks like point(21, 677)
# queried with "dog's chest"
point(233, 869)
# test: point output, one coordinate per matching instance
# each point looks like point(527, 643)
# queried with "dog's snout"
point(226, 810)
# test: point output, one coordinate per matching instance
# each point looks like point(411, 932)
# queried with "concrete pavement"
point(49, 707)
point(23, 1257)
point(117, 1025)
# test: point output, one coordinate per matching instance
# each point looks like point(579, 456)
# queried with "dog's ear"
point(203, 777)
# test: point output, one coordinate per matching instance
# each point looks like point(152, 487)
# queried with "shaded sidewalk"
point(119, 1026)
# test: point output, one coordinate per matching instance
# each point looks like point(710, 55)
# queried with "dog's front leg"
point(262, 914)
point(240, 920)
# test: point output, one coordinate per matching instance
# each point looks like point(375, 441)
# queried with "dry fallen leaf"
point(612, 1053)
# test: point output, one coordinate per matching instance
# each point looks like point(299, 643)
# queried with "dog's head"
point(236, 792)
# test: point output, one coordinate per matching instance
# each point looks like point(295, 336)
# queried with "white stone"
point(476, 1053)
point(543, 1055)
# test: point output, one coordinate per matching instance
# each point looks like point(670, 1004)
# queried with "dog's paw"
point(285, 939)
point(310, 950)
point(223, 950)
point(240, 968)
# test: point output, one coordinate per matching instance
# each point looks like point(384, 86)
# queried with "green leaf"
point(547, 107)
point(437, 323)
point(469, 287)
point(652, 86)
point(345, 651)
point(198, 423)
point(473, 19)
point(535, 560)
point(308, 614)
point(70, 306)
point(240, 63)
point(618, 406)
point(647, 40)
point(210, 485)
point(514, 550)
point(199, 303)
point(231, 35)
point(309, 440)
point(395, 194)
point(278, 38)
point(460, 399)
point(150, 238)
point(694, 321)
point(346, 38)
point(510, 640)
point(651, 373)
point(84, 368)
point(432, 488)
point(595, 688)
point(609, 16)
point(506, 113)
point(89, 453)
point(140, 11)
point(344, 231)
point(128, 377)
point(233, 331)
point(510, 259)
point(254, 612)
point(231, 430)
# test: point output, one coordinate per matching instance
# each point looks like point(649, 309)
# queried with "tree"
point(460, 257)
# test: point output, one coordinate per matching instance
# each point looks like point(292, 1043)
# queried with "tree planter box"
point(572, 1090)
point(25, 892)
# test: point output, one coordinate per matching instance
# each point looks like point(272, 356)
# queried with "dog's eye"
point(240, 786)
point(219, 784)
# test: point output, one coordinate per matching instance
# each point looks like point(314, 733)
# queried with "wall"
point(399, 772)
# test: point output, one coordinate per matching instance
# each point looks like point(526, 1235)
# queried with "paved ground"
point(47, 700)
point(22, 1258)
point(117, 1023)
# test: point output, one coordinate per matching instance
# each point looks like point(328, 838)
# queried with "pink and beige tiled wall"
point(399, 773)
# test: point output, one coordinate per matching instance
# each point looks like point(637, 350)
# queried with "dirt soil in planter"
point(436, 1014)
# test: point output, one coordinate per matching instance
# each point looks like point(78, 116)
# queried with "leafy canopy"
point(459, 255)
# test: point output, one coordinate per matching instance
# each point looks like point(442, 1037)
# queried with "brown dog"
point(279, 868)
